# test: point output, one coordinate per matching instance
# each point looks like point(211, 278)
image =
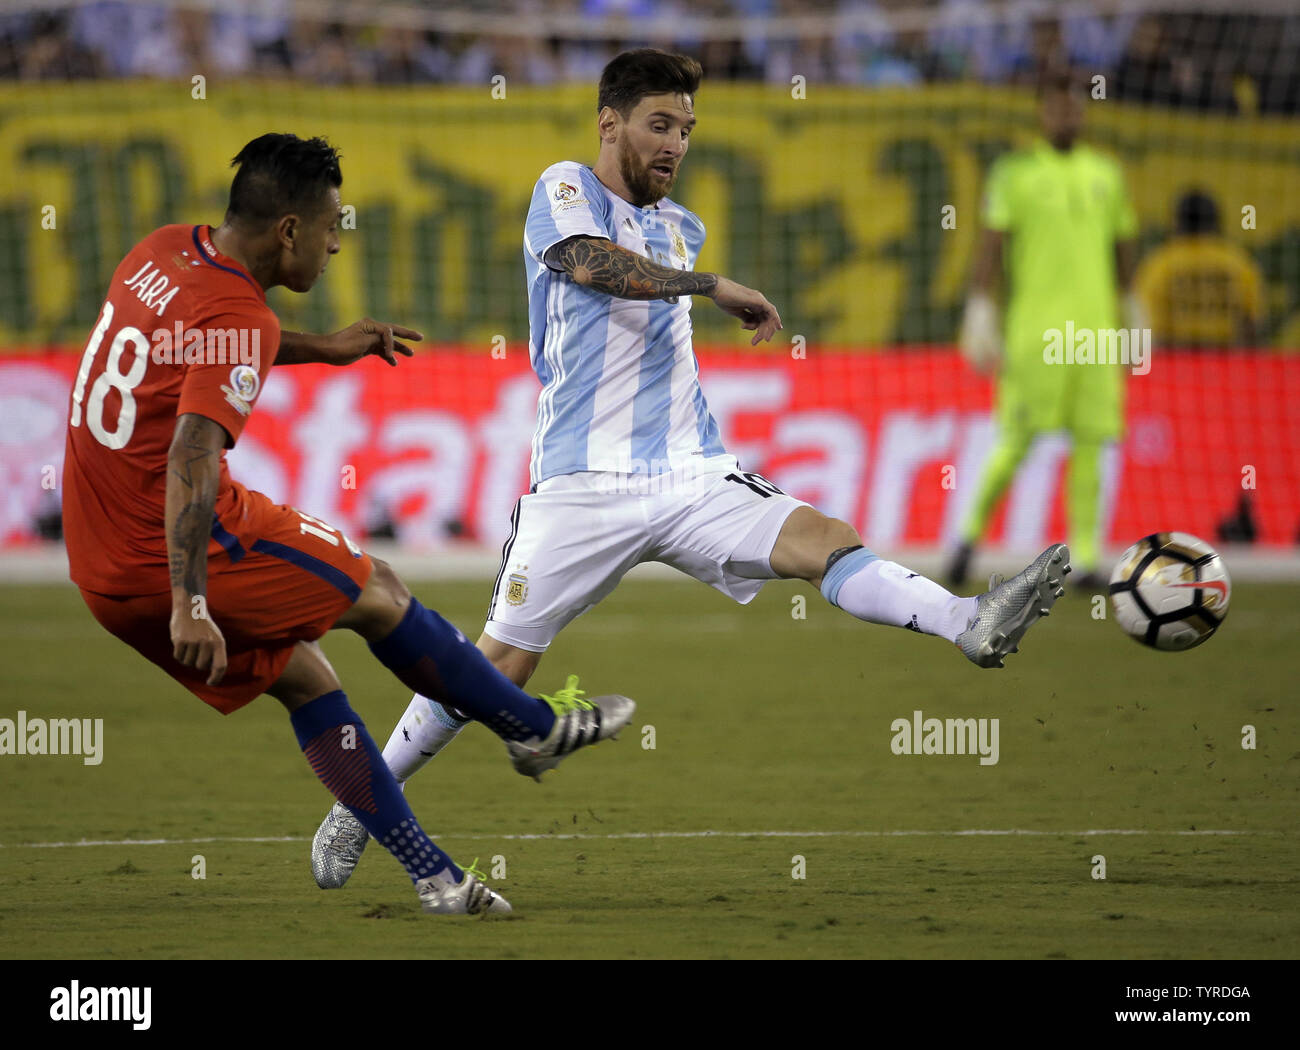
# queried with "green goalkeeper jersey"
point(1062, 213)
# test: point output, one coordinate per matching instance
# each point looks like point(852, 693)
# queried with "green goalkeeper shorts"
point(1085, 399)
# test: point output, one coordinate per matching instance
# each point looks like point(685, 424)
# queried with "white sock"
point(880, 591)
point(424, 730)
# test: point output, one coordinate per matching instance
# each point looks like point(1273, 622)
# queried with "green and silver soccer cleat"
point(578, 723)
point(1009, 609)
point(471, 896)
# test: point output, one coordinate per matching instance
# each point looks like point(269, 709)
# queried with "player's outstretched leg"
point(874, 589)
point(434, 659)
point(348, 763)
point(1009, 609)
point(985, 628)
point(828, 553)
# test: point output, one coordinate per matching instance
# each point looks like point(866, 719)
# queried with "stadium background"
point(832, 139)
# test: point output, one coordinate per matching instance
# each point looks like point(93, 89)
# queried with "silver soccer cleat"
point(1009, 609)
point(578, 723)
point(337, 847)
point(440, 896)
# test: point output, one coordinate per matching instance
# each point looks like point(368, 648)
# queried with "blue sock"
point(843, 567)
point(341, 752)
point(434, 659)
point(878, 591)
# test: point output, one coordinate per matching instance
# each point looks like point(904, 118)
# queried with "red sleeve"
point(224, 379)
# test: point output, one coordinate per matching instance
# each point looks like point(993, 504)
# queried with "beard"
point(645, 186)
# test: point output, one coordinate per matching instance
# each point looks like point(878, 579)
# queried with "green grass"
point(762, 723)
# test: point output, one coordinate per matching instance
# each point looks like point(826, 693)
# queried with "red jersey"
point(183, 329)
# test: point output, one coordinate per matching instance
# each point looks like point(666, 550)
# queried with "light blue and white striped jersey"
point(620, 380)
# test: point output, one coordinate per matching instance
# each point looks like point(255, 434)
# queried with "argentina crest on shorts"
point(516, 589)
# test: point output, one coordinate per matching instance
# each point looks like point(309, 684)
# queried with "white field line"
point(542, 837)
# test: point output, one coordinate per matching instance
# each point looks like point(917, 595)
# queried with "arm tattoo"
point(605, 267)
point(189, 539)
point(189, 451)
point(194, 461)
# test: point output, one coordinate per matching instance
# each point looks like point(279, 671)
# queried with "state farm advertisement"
point(436, 451)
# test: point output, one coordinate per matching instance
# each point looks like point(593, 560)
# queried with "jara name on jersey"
point(152, 287)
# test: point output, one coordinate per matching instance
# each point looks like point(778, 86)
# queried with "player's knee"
point(807, 540)
point(295, 696)
point(838, 538)
point(391, 584)
point(382, 604)
point(392, 594)
point(307, 675)
point(837, 534)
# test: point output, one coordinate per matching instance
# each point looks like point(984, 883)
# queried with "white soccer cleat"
point(440, 896)
point(1009, 609)
point(337, 847)
point(578, 723)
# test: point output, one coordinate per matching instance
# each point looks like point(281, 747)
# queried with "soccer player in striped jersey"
point(627, 463)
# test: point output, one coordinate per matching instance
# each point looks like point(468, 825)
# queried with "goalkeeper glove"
point(1135, 312)
point(980, 340)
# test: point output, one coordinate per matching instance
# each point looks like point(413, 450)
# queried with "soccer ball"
point(1170, 590)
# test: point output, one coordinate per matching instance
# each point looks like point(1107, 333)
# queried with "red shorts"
point(276, 577)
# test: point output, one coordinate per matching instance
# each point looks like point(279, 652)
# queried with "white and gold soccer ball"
point(1170, 591)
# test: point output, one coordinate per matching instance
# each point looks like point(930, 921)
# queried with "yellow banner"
point(854, 211)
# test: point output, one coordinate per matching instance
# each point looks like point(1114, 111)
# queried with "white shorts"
point(573, 539)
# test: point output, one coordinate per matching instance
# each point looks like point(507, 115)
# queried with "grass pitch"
point(771, 743)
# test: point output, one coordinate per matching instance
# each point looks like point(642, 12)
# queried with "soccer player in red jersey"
point(225, 590)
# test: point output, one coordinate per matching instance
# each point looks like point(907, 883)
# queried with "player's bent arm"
point(193, 478)
point(603, 266)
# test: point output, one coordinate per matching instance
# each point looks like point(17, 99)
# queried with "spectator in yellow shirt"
point(1200, 289)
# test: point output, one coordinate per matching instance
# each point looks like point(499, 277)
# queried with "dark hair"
point(279, 175)
point(1197, 213)
point(631, 76)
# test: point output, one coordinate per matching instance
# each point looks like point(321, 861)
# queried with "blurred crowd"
point(1241, 62)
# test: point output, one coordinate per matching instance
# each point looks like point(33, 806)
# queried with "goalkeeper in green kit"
point(1058, 222)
